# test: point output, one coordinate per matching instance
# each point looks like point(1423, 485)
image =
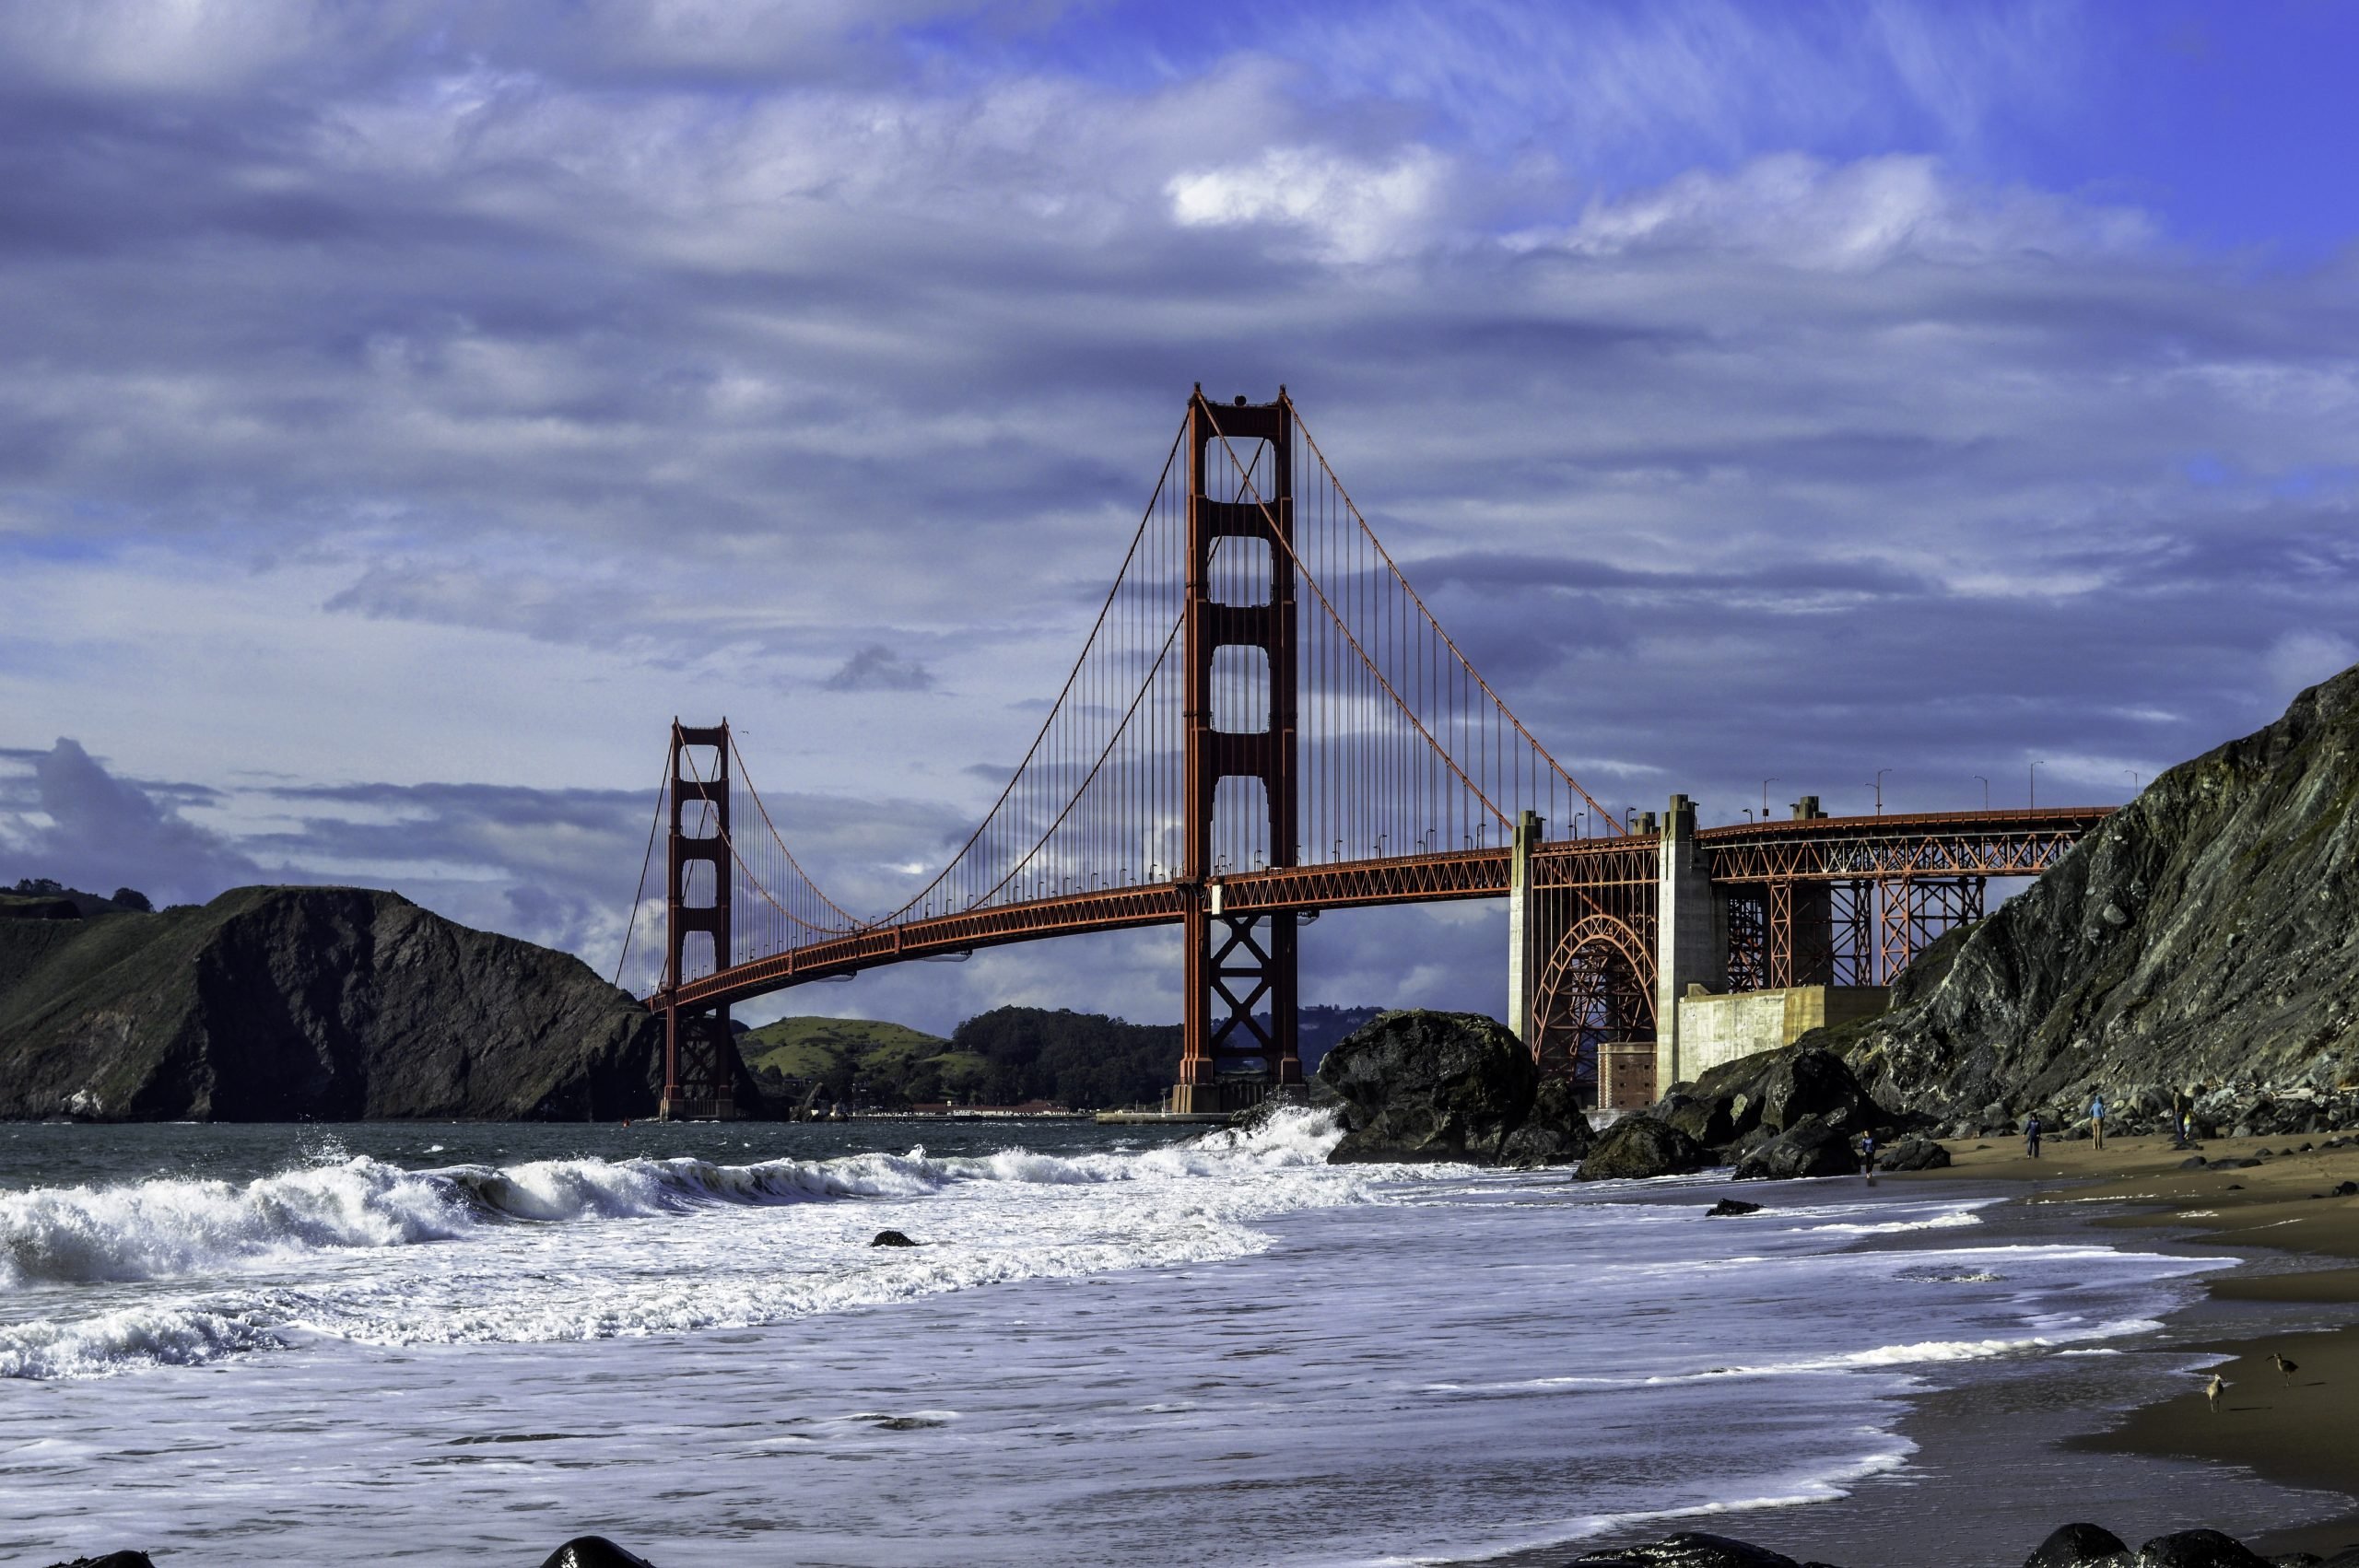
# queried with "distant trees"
point(1082, 1059)
point(50, 887)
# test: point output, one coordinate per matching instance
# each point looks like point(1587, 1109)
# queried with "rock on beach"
point(1637, 1147)
point(1418, 1086)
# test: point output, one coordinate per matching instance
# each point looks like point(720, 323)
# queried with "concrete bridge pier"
point(1691, 935)
point(1528, 940)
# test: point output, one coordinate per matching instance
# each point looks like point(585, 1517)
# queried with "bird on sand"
point(2211, 1389)
point(2285, 1369)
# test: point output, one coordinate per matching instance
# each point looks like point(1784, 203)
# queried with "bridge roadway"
point(1941, 844)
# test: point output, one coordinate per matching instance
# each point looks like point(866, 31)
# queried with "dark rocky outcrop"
point(1554, 1132)
point(329, 1003)
point(1914, 1154)
point(1777, 1091)
point(1418, 1086)
point(2079, 1546)
point(1811, 1147)
point(111, 1560)
point(2204, 937)
point(2197, 1549)
point(891, 1238)
point(1780, 1114)
point(1637, 1147)
point(1730, 1208)
point(1689, 1548)
point(594, 1551)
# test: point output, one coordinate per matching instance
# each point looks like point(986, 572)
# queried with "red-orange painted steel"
point(1617, 877)
point(1240, 963)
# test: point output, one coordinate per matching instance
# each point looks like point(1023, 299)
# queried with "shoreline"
point(2297, 1242)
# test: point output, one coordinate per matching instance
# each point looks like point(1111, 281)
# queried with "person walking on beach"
point(2096, 1117)
point(2031, 1135)
point(1868, 1157)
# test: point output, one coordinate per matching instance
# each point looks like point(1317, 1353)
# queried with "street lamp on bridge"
point(2035, 784)
point(1986, 792)
point(1765, 798)
point(1880, 773)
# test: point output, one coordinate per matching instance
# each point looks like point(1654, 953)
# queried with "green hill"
point(1087, 1060)
point(814, 1047)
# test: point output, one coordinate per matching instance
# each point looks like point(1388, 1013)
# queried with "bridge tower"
point(1239, 963)
point(699, 1057)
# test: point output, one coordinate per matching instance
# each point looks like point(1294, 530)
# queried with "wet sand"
point(2299, 1429)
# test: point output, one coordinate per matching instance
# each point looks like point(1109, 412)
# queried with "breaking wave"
point(177, 1228)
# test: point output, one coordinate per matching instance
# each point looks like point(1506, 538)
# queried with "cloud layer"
point(412, 408)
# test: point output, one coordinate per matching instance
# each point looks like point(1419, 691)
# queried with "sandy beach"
point(2299, 1428)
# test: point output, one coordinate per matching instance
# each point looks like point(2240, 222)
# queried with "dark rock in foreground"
point(111, 1560)
point(1554, 1132)
point(1759, 1097)
point(1637, 1147)
point(594, 1551)
point(2079, 1546)
point(2197, 1549)
point(1689, 1548)
point(322, 1003)
point(2074, 1546)
point(1812, 1148)
point(891, 1238)
point(1416, 1085)
point(1730, 1208)
point(1914, 1154)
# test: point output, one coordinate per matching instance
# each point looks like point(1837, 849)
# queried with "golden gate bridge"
point(1266, 722)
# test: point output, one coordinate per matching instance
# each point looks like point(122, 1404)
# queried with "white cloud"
point(1802, 212)
point(464, 412)
point(1348, 209)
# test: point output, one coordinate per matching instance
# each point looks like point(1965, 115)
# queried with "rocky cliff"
point(2204, 937)
point(279, 1004)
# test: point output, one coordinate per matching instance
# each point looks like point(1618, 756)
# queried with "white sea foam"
point(551, 1257)
point(126, 1338)
point(1075, 1329)
point(174, 1228)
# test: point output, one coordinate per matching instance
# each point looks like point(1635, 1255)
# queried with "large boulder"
point(2197, 1549)
point(1918, 1154)
point(1815, 1083)
point(1637, 1147)
point(1742, 1106)
point(1556, 1131)
point(1811, 1148)
point(2079, 1546)
point(1710, 1121)
point(1689, 1548)
point(594, 1551)
point(1417, 1085)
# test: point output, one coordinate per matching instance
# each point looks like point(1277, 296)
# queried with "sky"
point(408, 409)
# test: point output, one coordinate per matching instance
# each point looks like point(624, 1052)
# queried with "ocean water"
point(447, 1344)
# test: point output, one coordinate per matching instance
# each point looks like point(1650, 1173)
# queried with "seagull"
point(2285, 1369)
point(2211, 1389)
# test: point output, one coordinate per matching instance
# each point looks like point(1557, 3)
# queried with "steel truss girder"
point(1982, 844)
point(1603, 876)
